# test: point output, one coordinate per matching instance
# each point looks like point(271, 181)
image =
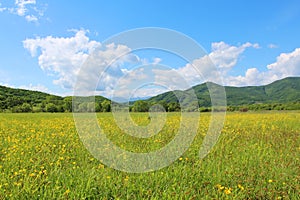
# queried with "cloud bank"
point(62, 58)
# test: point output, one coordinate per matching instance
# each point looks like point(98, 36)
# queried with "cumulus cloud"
point(61, 57)
point(252, 77)
point(25, 8)
point(22, 6)
point(101, 67)
point(131, 82)
point(92, 64)
point(217, 64)
point(287, 64)
point(65, 58)
point(210, 67)
point(226, 56)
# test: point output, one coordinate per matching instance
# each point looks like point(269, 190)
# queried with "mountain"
point(20, 100)
point(282, 91)
point(285, 91)
point(14, 96)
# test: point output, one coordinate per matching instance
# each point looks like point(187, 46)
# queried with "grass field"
point(257, 157)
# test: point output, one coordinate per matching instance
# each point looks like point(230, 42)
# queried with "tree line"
point(54, 104)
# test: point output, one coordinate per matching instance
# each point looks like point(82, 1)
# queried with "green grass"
point(256, 157)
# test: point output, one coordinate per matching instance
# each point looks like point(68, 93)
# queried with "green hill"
point(13, 99)
point(281, 94)
point(282, 91)
point(20, 100)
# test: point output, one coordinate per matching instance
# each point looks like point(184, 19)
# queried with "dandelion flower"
point(227, 191)
point(241, 187)
point(67, 191)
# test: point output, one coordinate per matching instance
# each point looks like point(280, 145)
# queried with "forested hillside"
point(280, 95)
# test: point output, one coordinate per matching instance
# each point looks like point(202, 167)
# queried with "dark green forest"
point(280, 95)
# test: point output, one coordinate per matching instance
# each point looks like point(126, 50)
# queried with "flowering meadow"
point(257, 156)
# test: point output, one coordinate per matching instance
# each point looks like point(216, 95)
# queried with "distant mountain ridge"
point(283, 91)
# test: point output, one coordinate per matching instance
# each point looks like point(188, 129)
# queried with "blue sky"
point(44, 43)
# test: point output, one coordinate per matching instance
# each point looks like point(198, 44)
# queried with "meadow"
point(256, 157)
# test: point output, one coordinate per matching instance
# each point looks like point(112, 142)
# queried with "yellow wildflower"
point(67, 191)
point(227, 191)
point(241, 187)
point(126, 178)
point(220, 187)
point(101, 166)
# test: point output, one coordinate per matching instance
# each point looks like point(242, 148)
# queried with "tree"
point(26, 107)
point(164, 104)
point(140, 106)
point(16, 109)
point(106, 107)
point(43, 106)
point(98, 107)
point(91, 107)
point(51, 107)
point(82, 107)
point(68, 104)
point(173, 107)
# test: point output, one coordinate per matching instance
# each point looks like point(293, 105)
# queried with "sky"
point(45, 45)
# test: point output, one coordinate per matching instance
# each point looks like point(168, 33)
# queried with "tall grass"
point(256, 157)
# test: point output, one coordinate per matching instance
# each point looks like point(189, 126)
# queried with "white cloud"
point(31, 18)
point(131, 82)
point(156, 61)
point(2, 8)
point(104, 67)
point(62, 57)
point(272, 46)
point(211, 67)
point(22, 6)
point(65, 58)
point(173, 79)
point(38, 87)
point(287, 64)
point(252, 77)
point(148, 92)
point(104, 70)
point(25, 8)
point(226, 56)
point(221, 60)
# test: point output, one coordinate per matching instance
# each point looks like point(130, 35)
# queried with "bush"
point(51, 107)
